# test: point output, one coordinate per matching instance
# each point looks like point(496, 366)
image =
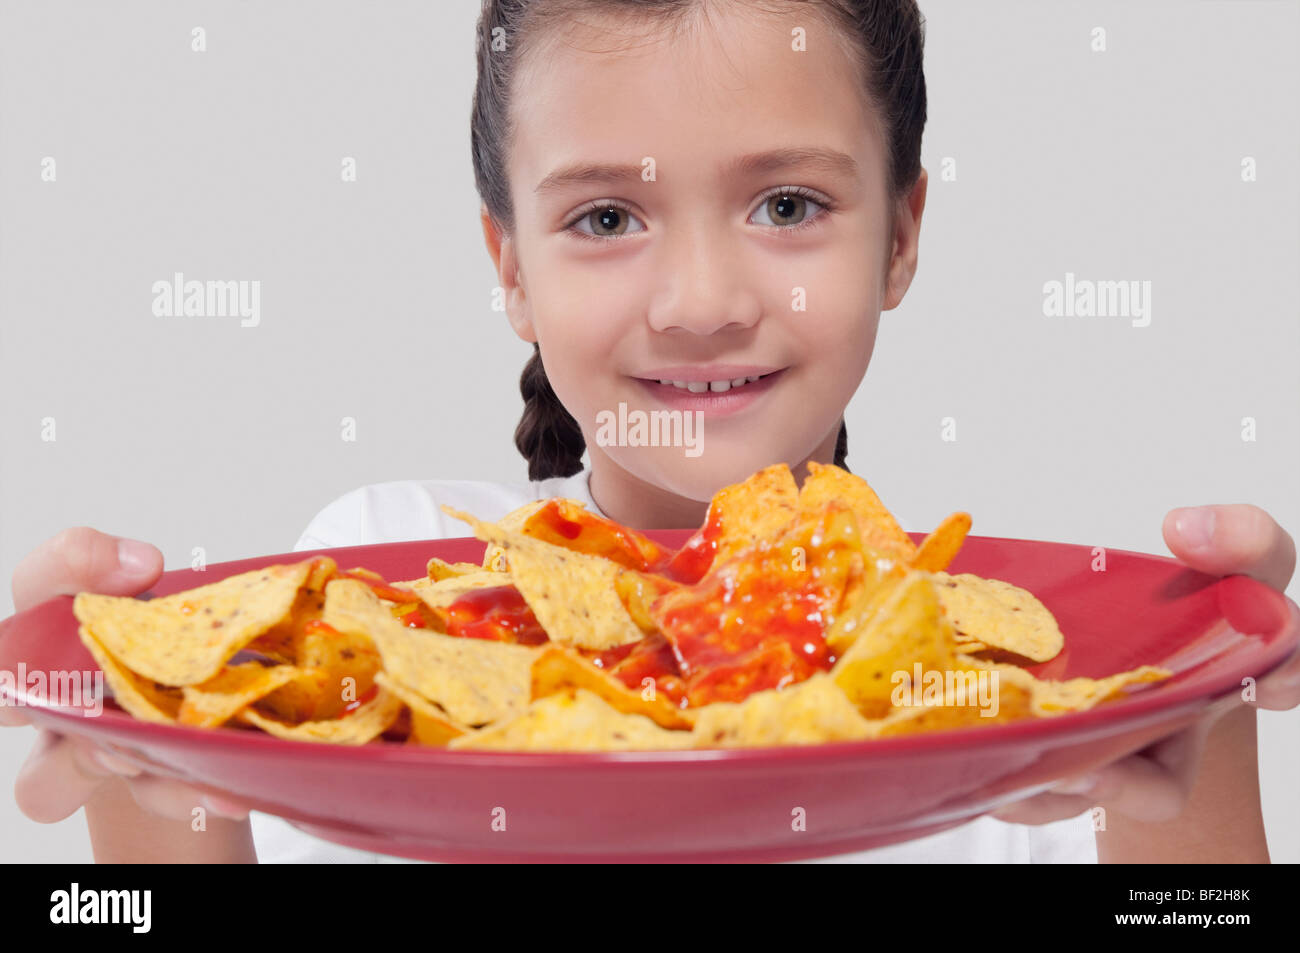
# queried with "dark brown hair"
point(888, 37)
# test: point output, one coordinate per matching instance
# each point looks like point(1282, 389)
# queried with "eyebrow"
point(758, 163)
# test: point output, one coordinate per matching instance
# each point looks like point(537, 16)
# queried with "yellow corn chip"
point(575, 720)
point(430, 725)
point(336, 669)
point(939, 549)
point(140, 697)
point(438, 569)
point(811, 711)
point(1000, 615)
point(366, 723)
point(907, 629)
point(439, 595)
point(474, 680)
point(1074, 694)
point(494, 557)
point(236, 687)
point(572, 594)
point(761, 507)
point(558, 669)
point(1014, 702)
point(879, 530)
point(186, 638)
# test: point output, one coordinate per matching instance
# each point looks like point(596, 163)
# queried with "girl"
point(699, 207)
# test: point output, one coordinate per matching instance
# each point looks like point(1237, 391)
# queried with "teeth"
point(716, 387)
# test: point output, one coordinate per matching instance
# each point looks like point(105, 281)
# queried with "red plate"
point(719, 805)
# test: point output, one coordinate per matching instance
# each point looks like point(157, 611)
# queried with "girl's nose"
point(704, 287)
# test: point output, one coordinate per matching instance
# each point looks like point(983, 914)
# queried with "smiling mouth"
point(715, 387)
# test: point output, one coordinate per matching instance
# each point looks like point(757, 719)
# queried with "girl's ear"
point(506, 261)
point(906, 238)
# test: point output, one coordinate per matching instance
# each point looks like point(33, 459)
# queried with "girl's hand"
point(1154, 784)
point(62, 773)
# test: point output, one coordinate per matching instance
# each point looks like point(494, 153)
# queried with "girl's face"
point(701, 206)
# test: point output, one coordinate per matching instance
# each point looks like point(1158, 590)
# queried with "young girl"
point(699, 207)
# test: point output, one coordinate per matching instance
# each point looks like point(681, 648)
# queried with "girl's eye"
point(605, 220)
point(784, 208)
point(787, 208)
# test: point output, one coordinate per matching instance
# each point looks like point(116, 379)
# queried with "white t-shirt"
point(408, 510)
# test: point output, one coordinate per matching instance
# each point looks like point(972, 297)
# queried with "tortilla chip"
point(558, 669)
point(761, 507)
point(1000, 615)
point(439, 595)
point(908, 628)
point(430, 725)
point(140, 697)
point(494, 557)
point(574, 720)
point(938, 550)
point(572, 594)
point(185, 638)
point(283, 642)
point(811, 711)
point(364, 724)
point(336, 669)
point(638, 591)
point(1074, 694)
point(236, 687)
point(474, 680)
point(438, 570)
point(861, 604)
point(880, 531)
point(1014, 702)
point(568, 524)
point(758, 618)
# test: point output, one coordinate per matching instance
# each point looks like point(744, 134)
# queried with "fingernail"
point(1080, 785)
point(1195, 525)
point(110, 762)
point(134, 557)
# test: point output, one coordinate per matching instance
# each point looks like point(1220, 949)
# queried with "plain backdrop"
point(376, 294)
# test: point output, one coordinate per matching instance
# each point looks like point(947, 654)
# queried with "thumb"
point(82, 559)
point(1232, 538)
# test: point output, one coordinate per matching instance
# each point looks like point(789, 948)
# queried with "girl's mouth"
point(714, 398)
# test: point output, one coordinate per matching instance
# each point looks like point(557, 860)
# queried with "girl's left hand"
point(1154, 784)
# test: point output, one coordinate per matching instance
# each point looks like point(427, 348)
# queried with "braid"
point(548, 436)
point(842, 446)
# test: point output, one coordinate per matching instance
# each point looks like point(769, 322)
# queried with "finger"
point(1279, 690)
point(12, 716)
point(1232, 538)
point(175, 799)
point(95, 760)
point(1155, 784)
point(82, 559)
point(1045, 808)
point(1151, 785)
point(54, 782)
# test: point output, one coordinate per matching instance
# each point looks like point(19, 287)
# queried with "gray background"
point(375, 294)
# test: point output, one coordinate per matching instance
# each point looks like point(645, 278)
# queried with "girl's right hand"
point(62, 773)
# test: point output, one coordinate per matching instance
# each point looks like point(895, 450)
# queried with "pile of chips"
point(794, 615)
